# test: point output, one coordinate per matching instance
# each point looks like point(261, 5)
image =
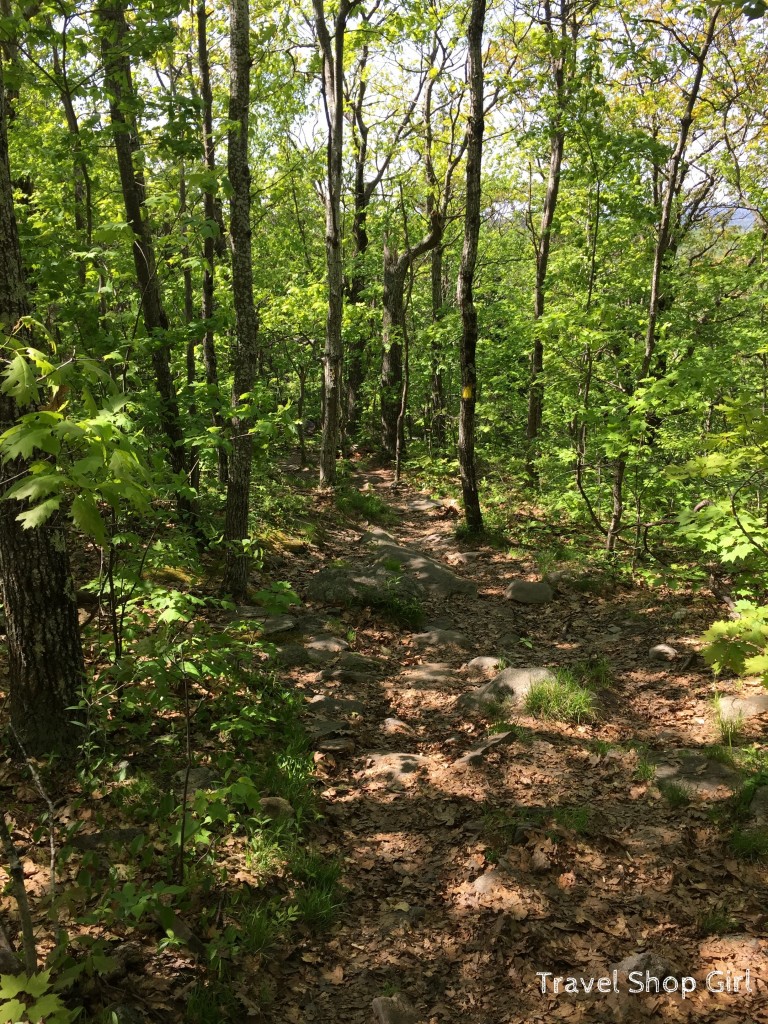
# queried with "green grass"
point(716, 921)
point(365, 505)
point(561, 699)
point(401, 607)
point(676, 794)
point(320, 896)
point(731, 726)
point(593, 672)
point(575, 819)
point(750, 844)
point(723, 755)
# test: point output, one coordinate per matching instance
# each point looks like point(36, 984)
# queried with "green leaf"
point(86, 516)
point(36, 516)
point(20, 382)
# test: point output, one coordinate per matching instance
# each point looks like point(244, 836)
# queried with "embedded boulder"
point(511, 685)
point(527, 592)
point(425, 570)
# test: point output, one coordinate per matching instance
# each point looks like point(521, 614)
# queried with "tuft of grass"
point(750, 844)
point(398, 605)
point(731, 726)
point(594, 672)
point(575, 819)
point(715, 921)
point(723, 755)
point(320, 896)
point(676, 794)
point(366, 505)
point(562, 699)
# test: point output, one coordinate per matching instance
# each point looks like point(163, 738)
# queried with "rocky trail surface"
point(481, 845)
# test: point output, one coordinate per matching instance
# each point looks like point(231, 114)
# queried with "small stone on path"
point(336, 745)
point(663, 652)
point(327, 644)
point(483, 666)
point(475, 755)
point(324, 704)
point(511, 684)
point(396, 727)
point(395, 1009)
point(276, 808)
point(526, 592)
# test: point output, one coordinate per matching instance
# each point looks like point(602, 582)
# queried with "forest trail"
point(482, 845)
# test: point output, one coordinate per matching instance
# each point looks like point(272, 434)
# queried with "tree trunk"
point(557, 145)
point(122, 105)
point(333, 93)
point(212, 237)
point(45, 658)
point(392, 333)
point(245, 352)
point(437, 398)
point(465, 298)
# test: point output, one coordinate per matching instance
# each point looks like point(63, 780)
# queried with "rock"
point(422, 505)
point(336, 745)
point(345, 675)
point(326, 644)
point(749, 707)
point(479, 667)
point(649, 961)
point(428, 676)
point(467, 557)
point(199, 778)
point(321, 703)
point(662, 652)
point(758, 806)
point(475, 755)
point(354, 587)
point(490, 881)
point(526, 592)
point(321, 728)
point(396, 727)
point(395, 1009)
point(700, 776)
point(276, 808)
point(296, 656)
point(421, 567)
point(278, 624)
point(439, 638)
point(511, 684)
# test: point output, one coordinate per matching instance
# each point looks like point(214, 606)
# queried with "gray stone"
point(479, 667)
point(355, 587)
point(649, 961)
point(694, 772)
point(395, 1009)
point(421, 567)
point(199, 778)
point(323, 704)
point(662, 652)
point(278, 624)
point(526, 592)
point(749, 707)
point(511, 684)
point(440, 638)
point(396, 727)
point(336, 745)
point(758, 807)
point(475, 755)
point(276, 808)
point(320, 728)
point(297, 656)
point(327, 644)
point(359, 662)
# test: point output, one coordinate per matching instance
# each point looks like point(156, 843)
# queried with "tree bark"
point(465, 296)
point(245, 352)
point(122, 107)
point(557, 145)
point(213, 239)
point(332, 50)
point(45, 658)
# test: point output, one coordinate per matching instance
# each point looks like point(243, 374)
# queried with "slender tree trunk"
point(245, 354)
point(45, 658)
point(214, 237)
point(557, 145)
point(437, 397)
point(122, 105)
point(393, 329)
point(465, 297)
point(332, 50)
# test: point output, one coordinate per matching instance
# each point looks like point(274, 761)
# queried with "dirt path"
point(471, 866)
